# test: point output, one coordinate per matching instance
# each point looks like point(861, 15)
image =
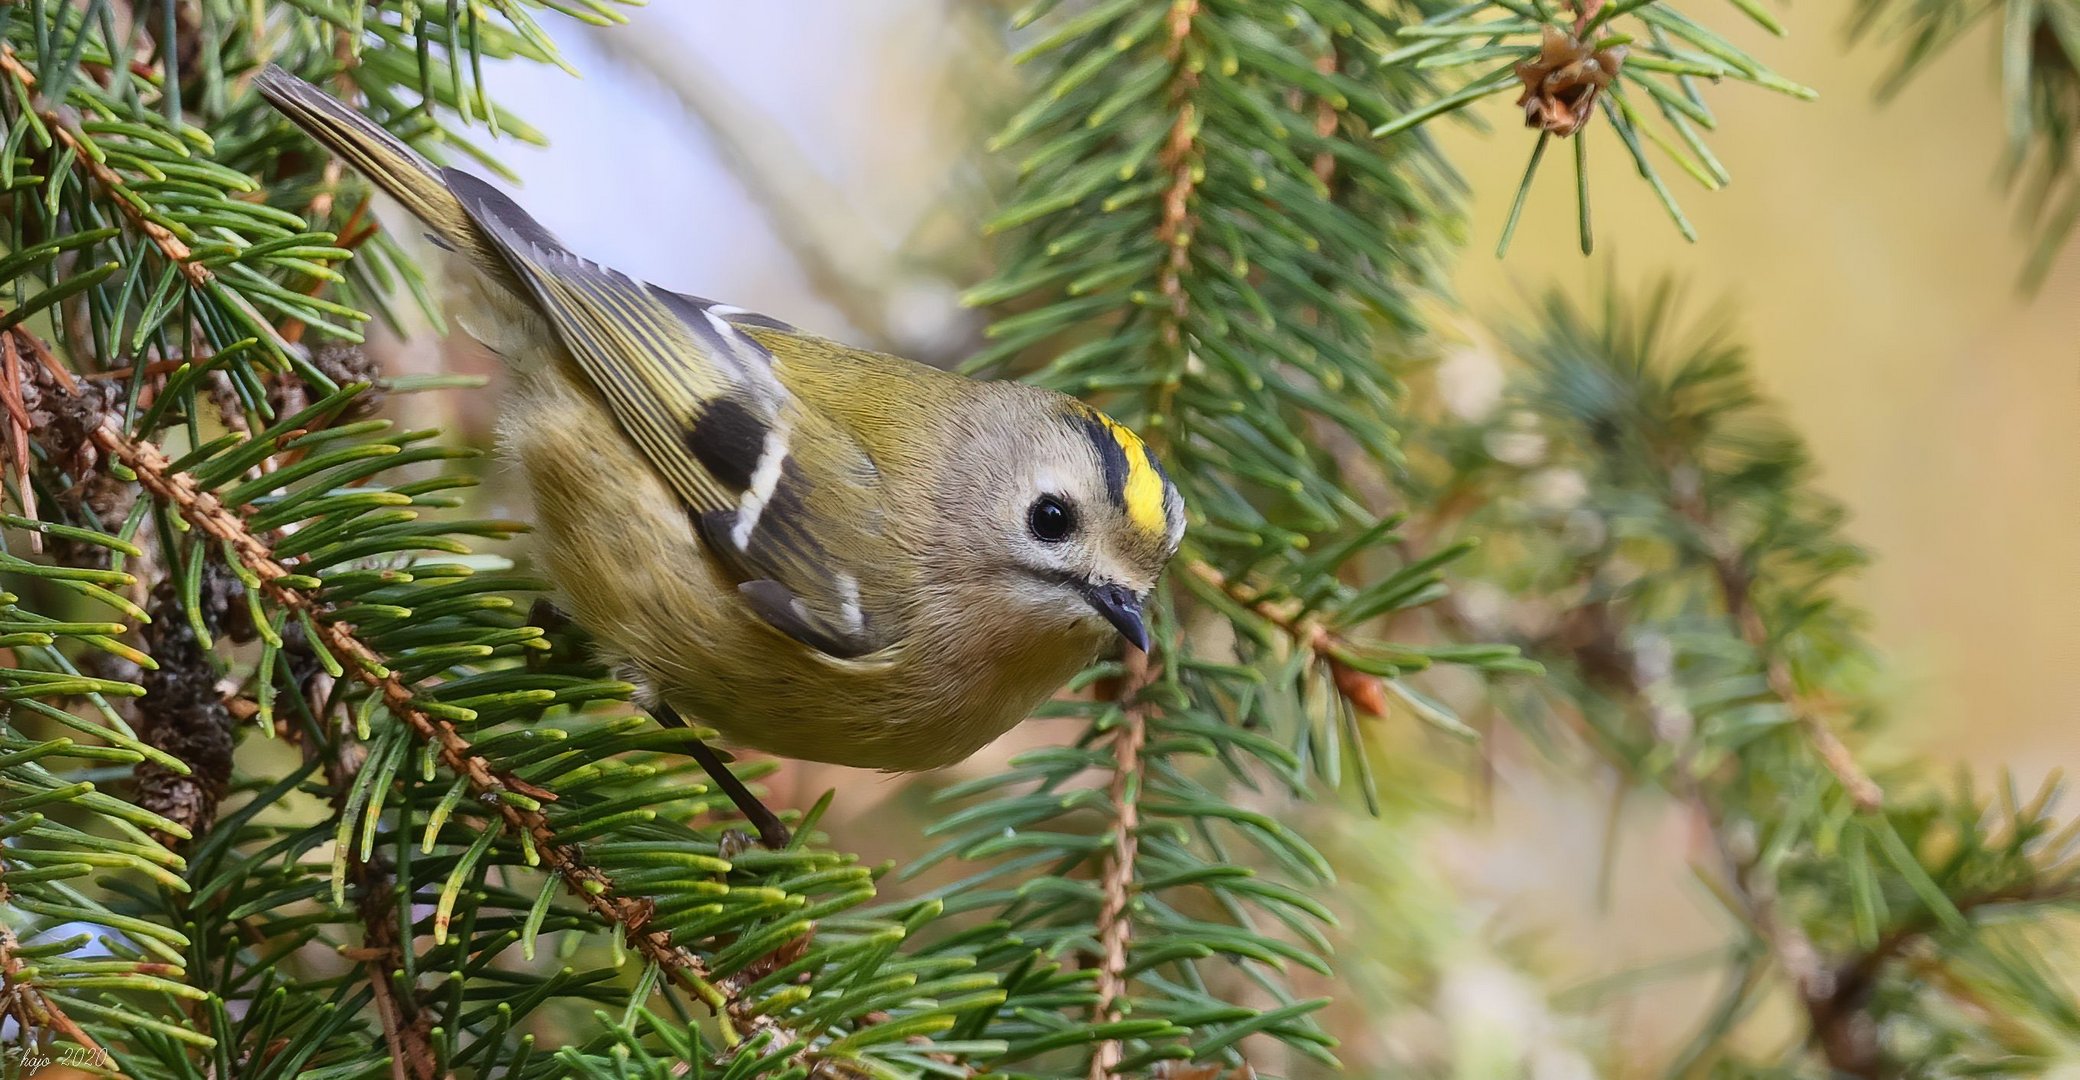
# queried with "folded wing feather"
point(783, 498)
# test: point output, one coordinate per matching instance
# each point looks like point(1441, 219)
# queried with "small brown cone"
point(1561, 83)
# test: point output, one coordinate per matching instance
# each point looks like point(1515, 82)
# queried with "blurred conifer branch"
point(1686, 599)
point(1205, 238)
point(2040, 92)
point(1632, 57)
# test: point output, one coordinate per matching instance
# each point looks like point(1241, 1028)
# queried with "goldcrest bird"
point(821, 552)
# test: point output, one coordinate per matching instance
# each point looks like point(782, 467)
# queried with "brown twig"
point(16, 425)
point(163, 238)
point(26, 340)
point(593, 888)
point(1641, 679)
point(1115, 927)
point(1735, 593)
point(411, 1052)
point(25, 1004)
point(1326, 120)
point(1174, 229)
point(407, 1033)
point(1366, 692)
point(151, 371)
point(14, 429)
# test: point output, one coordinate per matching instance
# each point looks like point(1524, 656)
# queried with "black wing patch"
point(729, 440)
point(701, 399)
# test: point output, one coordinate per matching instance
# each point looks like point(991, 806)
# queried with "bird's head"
point(1067, 513)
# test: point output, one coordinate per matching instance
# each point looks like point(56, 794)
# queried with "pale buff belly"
point(629, 569)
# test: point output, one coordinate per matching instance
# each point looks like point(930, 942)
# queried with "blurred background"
point(820, 160)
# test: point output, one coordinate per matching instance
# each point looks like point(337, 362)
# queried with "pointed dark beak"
point(1122, 609)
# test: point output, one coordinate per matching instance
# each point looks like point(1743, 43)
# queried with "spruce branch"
point(1117, 874)
point(425, 647)
point(1677, 450)
point(15, 426)
point(27, 1007)
point(182, 713)
point(1593, 640)
point(1177, 159)
point(1735, 579)
point(751, 1009)
point(1365, 691)
point(88, 162)
point(1832, 1004)
point(45, 815)
point(1210, 247)
point(24, 1003)
point(1207, 245)
point(1644, 682)
point(1568, 60)
point(1116, 878)
point(406, 1027)
point(1834, 992)
point(510, 795)
point(1685, 601)
point(277, 472)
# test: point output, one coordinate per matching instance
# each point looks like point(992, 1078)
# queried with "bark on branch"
point(589, 885)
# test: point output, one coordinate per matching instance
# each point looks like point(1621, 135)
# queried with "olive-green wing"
point(785, 499)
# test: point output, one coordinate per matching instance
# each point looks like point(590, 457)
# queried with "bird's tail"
point(384, 159)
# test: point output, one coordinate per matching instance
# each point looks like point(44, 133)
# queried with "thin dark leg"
point(771, 833)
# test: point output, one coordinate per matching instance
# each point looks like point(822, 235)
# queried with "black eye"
point(1050, 519)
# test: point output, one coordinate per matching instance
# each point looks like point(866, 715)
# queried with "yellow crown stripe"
point(1144, 487)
